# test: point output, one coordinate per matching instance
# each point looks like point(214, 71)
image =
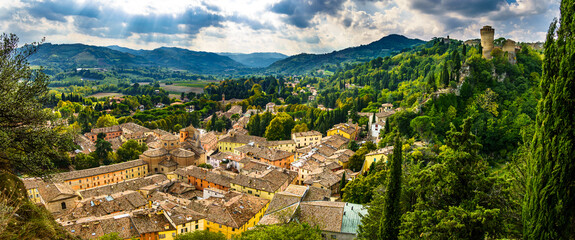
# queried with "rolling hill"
point(62, 57)
point(257, 60)
point(304, 63)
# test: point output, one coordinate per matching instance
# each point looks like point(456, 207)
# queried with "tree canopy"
point(549, 211)
point(31, 139)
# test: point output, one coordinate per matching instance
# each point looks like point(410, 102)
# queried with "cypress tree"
point(342, 183)
point(391, 218)
point(445, 75)
point(549, 210)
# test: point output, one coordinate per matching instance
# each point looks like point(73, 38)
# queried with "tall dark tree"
point(445, 75)
point(342, 183)
point(549, 211)
point(103, 147)
point(391, 217)
point(27, 144)
point(254, 125)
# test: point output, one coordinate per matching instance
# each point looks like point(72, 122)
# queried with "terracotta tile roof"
point(31, 183)
point(104, 205)
point(317, 194)
point(241, 138)
point(281, 216)
point(86, 146)
point(160, 132)
point(132, 184)
point(307, 134)
point(180, 216)
point(346, 127)
point(326, 178)
point(158, 152)
point(133, 128)
point(270, 181)
point(116, 143)
point(277, 143)
point(92, 228)
point(150, 222)
point(208, 137)
point(106, 130)
point(335, 141)
point(386, 151)
point(264, 153)
point(235, 210)
point(384, 114)
point(100, 170)
point(55, 191)
point(178, 152)
point(201, 173)
point(326, 215)
point(282, 200)
point(169, 137)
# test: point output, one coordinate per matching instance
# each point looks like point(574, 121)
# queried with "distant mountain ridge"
point(61, 57)
point(258, 59)
point(303, 63)
point(68, 56)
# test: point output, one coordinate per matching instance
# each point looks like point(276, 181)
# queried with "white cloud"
point(252, 26)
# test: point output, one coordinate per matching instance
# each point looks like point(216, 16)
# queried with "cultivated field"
point(106, 94)
point(176, 88)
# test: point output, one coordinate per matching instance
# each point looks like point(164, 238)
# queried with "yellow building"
point(234, 140)
point(346, 130)
point(284, 145)
point(104, 175)
point(31, 185)
point(153, 225)
point(235, 214)
point(377, 155)
point(264, 185)
point(303, 139)
point(189, 225)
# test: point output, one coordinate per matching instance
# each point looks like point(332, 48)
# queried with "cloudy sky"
point(286, 26)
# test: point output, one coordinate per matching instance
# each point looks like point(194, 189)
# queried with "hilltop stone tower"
point(509, 48)
point(487, 36)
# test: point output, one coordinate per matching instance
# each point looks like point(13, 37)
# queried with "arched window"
point(63, 205)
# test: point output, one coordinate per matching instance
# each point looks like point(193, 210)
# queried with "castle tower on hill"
point(487, 36)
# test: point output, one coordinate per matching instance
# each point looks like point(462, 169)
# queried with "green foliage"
point(457, 192)
point(390, 222)
point(280, 127)
point(103, 147)
point(384, 212)
point(300, 127)
point(291, 231)
point(352, 145)
point(206, 165)
point(549, 211)
point(110, 236)
point(130, 150)
point(423, 125)
point(106, 121)
point(27, 144)
point(22, 219)
point(357, 159)
point(201, 235)
point(85, 161)
point(342, 182)
point(303, 63)
point(361, 189)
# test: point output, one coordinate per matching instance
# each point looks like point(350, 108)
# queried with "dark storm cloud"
point(58, 10)
point(300, 12)
point(468, 8)
point(103, 21)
